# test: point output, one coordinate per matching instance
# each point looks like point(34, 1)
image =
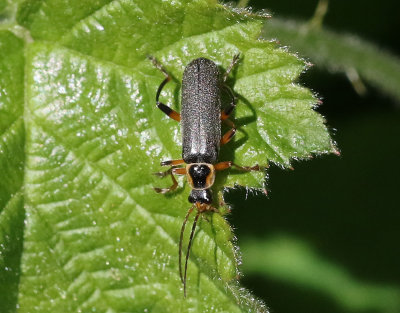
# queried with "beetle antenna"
point(181, 239)
point(188, 250)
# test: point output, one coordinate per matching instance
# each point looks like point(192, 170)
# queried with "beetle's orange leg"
point(172, 187)
point(227, 112)
point(228, 136)
point(171, 171)
point(229, 109)
point(172, 162)
point(166, 109)
point(227, 164)
point(179, 171)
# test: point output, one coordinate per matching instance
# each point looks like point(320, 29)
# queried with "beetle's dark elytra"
point(201, 112)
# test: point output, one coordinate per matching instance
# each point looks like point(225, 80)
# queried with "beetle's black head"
point(200, 175)
point(203, 196)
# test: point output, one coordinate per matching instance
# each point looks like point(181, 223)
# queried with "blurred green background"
point(328, 237)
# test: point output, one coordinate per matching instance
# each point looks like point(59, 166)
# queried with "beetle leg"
point(225, 115)
point(166, 109)
point(171, 171)
point(227, 164)
point(163, 174)
point(172, 162)
point(247, 168)
point(222, 165)
point(173, 186)
point(179, 171)
point(235, 60)
point(229, 109)
point(228, 135)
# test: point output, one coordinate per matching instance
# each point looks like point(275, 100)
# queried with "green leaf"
point(96, 235)
point(12, 137)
